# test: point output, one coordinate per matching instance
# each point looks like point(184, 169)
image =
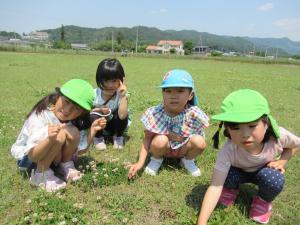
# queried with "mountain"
point(151, 35)
point(286, 44)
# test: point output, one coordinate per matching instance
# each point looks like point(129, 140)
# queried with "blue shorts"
point(25, 164)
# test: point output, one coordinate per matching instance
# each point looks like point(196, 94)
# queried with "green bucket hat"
point(80, 92)
point(244, 106)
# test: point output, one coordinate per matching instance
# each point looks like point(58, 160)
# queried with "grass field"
point(105, 196)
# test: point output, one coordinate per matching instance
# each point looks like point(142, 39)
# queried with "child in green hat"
point(256, 152)
point(48, 136)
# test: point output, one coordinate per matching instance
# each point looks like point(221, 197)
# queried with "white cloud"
point(159, 11)
point(291, 27)
point(288, 23)
point(266, 7)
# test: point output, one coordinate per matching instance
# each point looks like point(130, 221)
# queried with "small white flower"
point(106, 175)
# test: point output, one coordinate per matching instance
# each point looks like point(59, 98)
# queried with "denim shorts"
point(25, 164)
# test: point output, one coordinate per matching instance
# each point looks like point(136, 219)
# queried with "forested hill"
point(151, 35)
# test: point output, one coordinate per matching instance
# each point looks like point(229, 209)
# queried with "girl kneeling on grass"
point(174, 128)
point(48, 136)
point(256, 152)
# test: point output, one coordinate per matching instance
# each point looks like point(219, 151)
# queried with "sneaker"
point(118, 142)
point(260, 210)
point(190, 166)
point(153, 166)
point(69, 171)
point(47, 181)
point(99, 143)
point(228, 196)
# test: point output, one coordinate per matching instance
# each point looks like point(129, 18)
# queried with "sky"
point(252, 18)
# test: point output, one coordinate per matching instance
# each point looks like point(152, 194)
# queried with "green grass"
point(172, 197)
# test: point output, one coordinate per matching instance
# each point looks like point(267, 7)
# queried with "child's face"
point(66, 110)
point(175, 99)
point(249, 136)
point(111, 86)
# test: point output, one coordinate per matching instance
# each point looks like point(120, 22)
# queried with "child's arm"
point(97, 125)
point(134, 168)
point(286, 155)
point(123, 106)
point(211, 196)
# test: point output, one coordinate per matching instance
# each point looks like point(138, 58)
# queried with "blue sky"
point(254, 18)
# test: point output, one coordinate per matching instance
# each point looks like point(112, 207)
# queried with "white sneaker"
point(118, 142)
point(153, 166)
point(99, 143)
point(47, 181)
point(190, 165)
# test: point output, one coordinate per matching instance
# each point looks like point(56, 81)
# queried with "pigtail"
point(215, 138)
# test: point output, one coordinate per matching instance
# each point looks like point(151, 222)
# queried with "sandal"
point(70, 172)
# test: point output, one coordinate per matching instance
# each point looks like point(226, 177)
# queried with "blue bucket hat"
point(179, 78)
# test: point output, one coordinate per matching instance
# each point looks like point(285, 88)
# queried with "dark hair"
point(109, 69)
point(44, 103)
point(82, 122)
point(269, 132)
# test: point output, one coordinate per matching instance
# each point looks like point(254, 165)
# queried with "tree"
point(120, 37)
point(188, 47)
point(62, 33)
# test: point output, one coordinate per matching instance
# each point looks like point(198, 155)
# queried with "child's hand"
point(122, 89)
point(175, 137)
point(99, 124)
point(134, 168)
point(53, 130)
point(102, 109)
point(278, 165)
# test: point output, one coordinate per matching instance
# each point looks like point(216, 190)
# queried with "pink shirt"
point(232, 155)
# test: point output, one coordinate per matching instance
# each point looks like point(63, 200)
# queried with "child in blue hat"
point(174, 128)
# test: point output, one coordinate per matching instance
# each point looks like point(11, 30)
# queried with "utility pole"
point(137, 39)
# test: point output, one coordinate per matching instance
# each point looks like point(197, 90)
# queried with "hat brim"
point(238, 117)
point(74, 98)
point(175, 85)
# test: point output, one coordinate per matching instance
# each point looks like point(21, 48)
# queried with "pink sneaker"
point(260, 210)
point(228, 196)
point(47, 181)
point(69, 171)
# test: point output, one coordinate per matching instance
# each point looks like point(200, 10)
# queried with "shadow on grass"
point(243, 201)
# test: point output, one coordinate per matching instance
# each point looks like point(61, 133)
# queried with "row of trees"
point(118, 44)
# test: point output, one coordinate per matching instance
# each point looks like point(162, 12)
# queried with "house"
point(79, 46)
point(166, 46)
point(154, 49)
point(201, 49)
point(38, 36)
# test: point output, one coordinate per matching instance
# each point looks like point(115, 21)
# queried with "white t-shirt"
point(232, 155)
point(113, 103)
point(34, 130)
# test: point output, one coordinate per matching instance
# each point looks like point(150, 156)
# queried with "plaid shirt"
point(191, 121)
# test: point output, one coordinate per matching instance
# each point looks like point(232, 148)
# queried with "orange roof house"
point(164, 46)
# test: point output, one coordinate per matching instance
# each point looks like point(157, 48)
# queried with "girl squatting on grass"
point(112, 102)
point(174, 128)
point(257, 152)
point(48, 137)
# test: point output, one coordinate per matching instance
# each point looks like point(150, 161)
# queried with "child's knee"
point(198, 142)
point(271, 178)
point(159, 142)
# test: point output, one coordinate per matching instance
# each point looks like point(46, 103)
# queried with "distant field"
point(172, 197)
